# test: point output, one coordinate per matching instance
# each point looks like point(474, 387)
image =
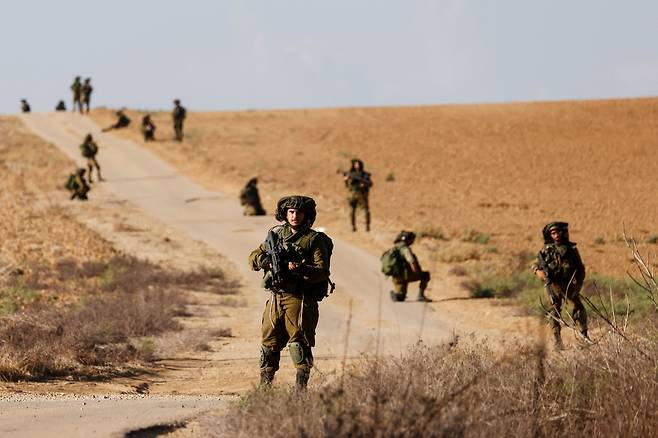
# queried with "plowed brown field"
point(503, 170)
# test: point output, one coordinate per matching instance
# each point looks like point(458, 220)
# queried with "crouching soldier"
point(250, 199)
point(77, 185)
point(560, 267)
point(402, 265)
point(148, 128)
point(122, 121)
point(296, 262)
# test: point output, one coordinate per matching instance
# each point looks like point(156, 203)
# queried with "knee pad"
point(268, 358)
point(298, 353)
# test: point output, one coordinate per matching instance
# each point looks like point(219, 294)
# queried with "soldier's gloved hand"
point(266, 262)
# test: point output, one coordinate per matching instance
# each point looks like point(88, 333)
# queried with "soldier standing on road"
point(89, 150)
point(85, 92)
point(291, 313)
point(76, 89)
point(250, 199)
point(77, 185)
point(122, 122)
point(410, 270)
point(358, 182)
point(25, 107)
point(560, 267)
point(178, 115)
point(148, 128)
point(61, 106)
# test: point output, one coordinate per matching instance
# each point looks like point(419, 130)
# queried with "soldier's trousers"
point(91, 163)
point(253, 210)
point(555, 307)
point(288, 318)
point(359, 200)
point(178, 130)
point(400, 284)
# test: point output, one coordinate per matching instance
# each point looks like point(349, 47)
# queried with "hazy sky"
point(242, 54)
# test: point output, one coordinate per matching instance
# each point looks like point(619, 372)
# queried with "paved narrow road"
point(135, 174)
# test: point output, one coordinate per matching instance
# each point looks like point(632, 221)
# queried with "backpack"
point(327, 287)
point(392, 263)
point(72, 183)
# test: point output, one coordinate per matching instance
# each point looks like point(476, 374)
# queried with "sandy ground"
point(501, 169)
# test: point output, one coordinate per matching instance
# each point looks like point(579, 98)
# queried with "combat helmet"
point(303, 203)
point(88, 137)
point(546, 231)
point(176, 101)
point(405, 236)
point(356, 160)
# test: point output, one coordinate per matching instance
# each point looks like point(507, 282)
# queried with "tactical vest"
point(299, 248)
point(561, 261)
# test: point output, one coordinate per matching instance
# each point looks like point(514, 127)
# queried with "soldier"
point(148, 128)
point(89, 149)
point(77, 185)
point(61, 106)
point(560, 267)
point(409, 270)
point(76, 89)
point(358, 183)
point(178, 115)
point(291, 313)
point(250, 199)
point(122, 122)
point(85, 92)
point(25, 107)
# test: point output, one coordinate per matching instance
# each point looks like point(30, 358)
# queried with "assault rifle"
point(363, 178)
point(275, 250)
point(548, 282)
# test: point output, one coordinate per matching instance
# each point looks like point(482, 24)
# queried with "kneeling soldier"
point(77, 185)
point(296, 263)
point(410, 269)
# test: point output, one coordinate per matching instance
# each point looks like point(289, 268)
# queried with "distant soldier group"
point(81, 94)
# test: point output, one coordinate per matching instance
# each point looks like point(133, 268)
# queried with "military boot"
point(301, 380)
point(422, 297)
point(266, 378)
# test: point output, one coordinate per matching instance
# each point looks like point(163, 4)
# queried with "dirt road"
point(138, 176)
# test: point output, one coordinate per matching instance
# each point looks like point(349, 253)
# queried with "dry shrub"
point(456, 252)
point(101, 330)
point(605, 390)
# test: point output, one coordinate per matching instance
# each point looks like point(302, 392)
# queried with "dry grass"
point(605, 390)
point(127, 301)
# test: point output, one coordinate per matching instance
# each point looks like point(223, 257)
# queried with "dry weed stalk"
point(645, 267)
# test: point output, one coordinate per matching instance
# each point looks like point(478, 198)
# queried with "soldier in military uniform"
point(77, 185)
point(85, 94)
point(358, 182)
point(25, 107)
point(148, 128)
point(411, 270)
point(89, 150)
point(122, 121)
point(560, 267)
point(250, 199)
point(76, 89)
point(291, 313)
point(178, 115)
point(61, 106)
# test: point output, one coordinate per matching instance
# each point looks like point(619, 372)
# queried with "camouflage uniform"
point(77, 185)
point(358, 183)
point(89, 149)
point(76, 89)
point(61, 106)
point(148, 128)
point(250, 199)
point(178, 115)
point(25, 107)
point(85, 92)
point(409, 275)
point(291, 313)
point(566, 273)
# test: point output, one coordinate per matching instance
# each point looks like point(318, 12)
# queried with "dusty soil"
point(502, 170)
